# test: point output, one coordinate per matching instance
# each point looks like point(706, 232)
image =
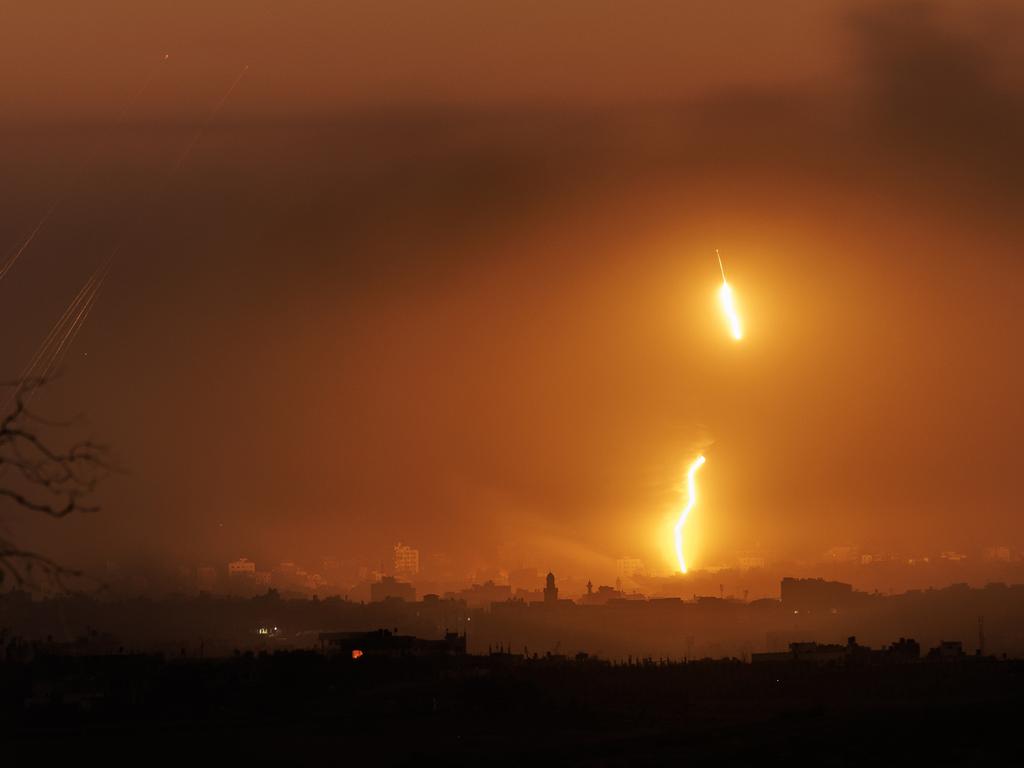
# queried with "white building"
point(748, 562)
point(407, 560)
point(843, 553)
point(243, 566)
point(628, 567)
point(997, 554)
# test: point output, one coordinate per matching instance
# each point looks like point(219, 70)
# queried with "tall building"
point(407, 560)
point(550, 590)
point(628, 567)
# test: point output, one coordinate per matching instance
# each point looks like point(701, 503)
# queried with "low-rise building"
point(390, 588)
point(243, 566)
point(381, 642)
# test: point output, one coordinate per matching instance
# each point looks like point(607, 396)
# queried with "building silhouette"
point(482, 595)
point(550, 590)
point(815, 595)
point(390, 588)
point(382, 642)
point(206, 578)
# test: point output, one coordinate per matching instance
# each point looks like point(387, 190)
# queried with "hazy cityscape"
point(753, 608)
point(751, 575)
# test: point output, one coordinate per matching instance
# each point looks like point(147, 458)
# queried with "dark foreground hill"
point(308, 708)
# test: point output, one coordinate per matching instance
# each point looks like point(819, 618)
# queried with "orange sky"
point(449, 278)
point(324, 56)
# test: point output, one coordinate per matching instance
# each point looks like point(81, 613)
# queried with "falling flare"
point(691, 499)
point(728, 306)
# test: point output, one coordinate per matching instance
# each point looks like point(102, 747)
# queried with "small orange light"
point(356, 654)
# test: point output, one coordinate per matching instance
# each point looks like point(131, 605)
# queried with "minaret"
point(551, 591)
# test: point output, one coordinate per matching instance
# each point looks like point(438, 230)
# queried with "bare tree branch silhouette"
point(39, 476)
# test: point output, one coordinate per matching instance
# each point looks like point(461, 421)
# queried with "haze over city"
point(473, 308)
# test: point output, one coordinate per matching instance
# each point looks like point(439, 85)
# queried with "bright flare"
point(725, 296)
point(728, 306)
point(691, 499)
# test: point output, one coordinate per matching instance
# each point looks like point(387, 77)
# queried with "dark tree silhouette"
point(40, 476)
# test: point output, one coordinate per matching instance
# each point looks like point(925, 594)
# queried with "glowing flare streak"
point(728, 306)
point(725, 296)
point(691, 499)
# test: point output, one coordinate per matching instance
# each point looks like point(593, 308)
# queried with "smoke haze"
point(444, 273)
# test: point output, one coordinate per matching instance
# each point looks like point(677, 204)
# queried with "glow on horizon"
point(691, 500)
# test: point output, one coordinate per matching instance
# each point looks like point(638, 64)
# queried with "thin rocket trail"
point(144, 87)
point(56, 329)
point(61, 350)
point(82, 166)
point(209, 120)
point(28, 241)
point(172, 172)
point(67, 325)
point(67, 329)
point(36, 364)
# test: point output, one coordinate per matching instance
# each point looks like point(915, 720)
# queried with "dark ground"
point(305, 708)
